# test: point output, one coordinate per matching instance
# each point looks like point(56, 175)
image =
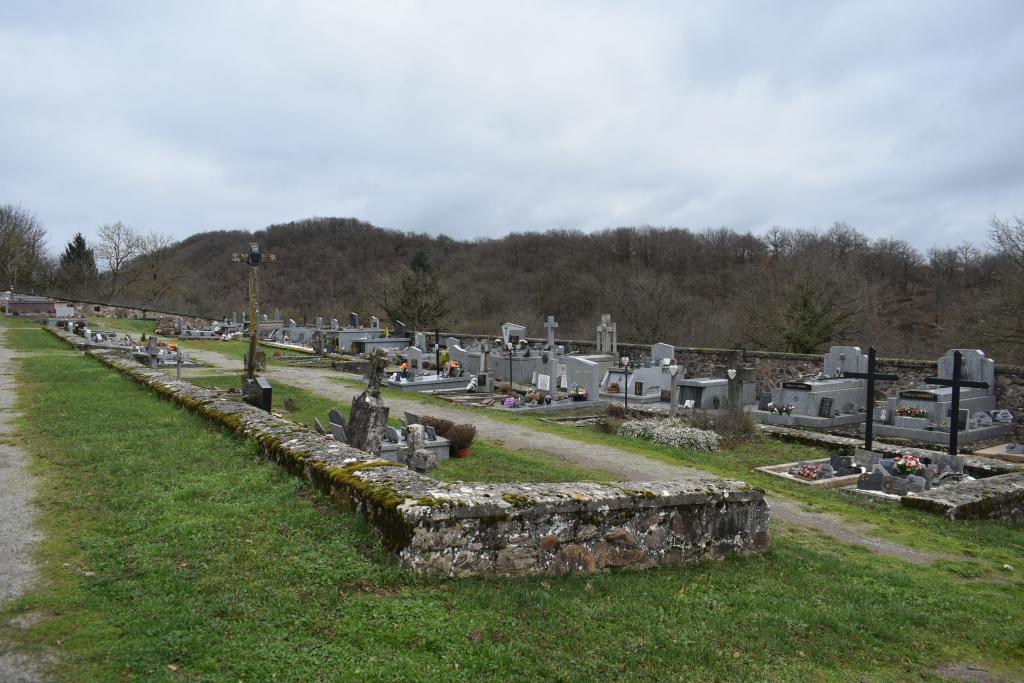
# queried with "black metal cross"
point(954, 411)
point(871, 376)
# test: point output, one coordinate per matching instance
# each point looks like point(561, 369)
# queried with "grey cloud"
point(901, 119)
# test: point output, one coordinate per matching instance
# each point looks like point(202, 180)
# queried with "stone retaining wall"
point(462, 529)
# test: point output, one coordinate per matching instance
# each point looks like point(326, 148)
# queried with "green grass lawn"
point(130, 325)
point(170, 543)
point(489, 463)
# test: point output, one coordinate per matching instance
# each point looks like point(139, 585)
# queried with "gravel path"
point(629, 466)
point(17, 532)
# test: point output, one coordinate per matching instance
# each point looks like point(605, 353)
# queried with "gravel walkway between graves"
point(629, 466)
point(18, 534)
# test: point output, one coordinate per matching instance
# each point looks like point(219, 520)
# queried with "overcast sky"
point(472, 119)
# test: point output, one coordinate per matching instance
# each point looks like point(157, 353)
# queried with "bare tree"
point(118, 245)
point(1007, 237)
point(157, 279)
point(23, 260)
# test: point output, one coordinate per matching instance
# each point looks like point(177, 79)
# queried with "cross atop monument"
point(551, 325)
point(253, 260)
point(869, 406)
point(956, 382)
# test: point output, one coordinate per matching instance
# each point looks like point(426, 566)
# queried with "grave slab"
point(999, 499)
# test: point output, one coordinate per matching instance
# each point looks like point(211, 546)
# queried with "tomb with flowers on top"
point(924, 413)
point(825, 401)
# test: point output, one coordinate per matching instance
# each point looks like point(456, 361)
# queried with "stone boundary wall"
point(775, 367)
point(464, 529)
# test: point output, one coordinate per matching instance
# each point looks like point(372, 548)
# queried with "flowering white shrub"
point(671, 433)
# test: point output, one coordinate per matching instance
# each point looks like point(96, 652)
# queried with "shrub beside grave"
point(461, 437)
point(671, 433)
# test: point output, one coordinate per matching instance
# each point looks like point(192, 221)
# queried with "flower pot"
point(463, 453)
point(613, 389)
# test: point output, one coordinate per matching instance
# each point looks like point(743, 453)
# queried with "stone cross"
point(551, 325)
point(378, 361)
point(869, 405)
point(957, 382)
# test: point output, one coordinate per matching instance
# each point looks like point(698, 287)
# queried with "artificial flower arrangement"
point(907, 464)
point(578, 393)
point(812, 471)
point(911, 411)
point(509, 402)
point(781, 408)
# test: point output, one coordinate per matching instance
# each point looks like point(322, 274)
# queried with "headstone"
point(873, 480)
point(257, 392)
point(661, 352)
point(840, 359)
point(319, 323)
point(607, 340)
point(353, 320)
point(369, 416)
point(318, 427)
point(338, 432)
point(411, 419)
point(374, 322)
point(334, 323)
point(392, 435)
point(336, 417)
point(415, 454)
point(550, 324)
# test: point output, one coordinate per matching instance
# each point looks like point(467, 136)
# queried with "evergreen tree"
point(76, 269)
point(417, 299)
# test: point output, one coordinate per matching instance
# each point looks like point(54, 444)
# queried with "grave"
point(418, 377)
point(607, 337)
point(647, 381)
point(923, 414)
point(826, 401)
point(398, 447)
point(369, 416)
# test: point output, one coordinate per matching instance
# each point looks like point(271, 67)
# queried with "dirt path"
point(18, 534)
point(629, 466)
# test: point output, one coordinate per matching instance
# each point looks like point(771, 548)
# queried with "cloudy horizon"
point(901, 119)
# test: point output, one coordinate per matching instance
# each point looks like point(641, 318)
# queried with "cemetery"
point(963, 393)
point(468, 529)
point(830, 399)
point(457, 529)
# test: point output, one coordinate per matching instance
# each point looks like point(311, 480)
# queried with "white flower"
point(671, 433)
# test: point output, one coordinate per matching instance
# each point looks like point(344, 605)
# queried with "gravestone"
point(415, 455)
point(550, 324)
point(661, 352)
point(607, 339)
point(369, 416)
point(257, 392)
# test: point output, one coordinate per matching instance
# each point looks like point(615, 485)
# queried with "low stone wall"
point(462, 529)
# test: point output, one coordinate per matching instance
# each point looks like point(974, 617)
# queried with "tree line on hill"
point(788, 290)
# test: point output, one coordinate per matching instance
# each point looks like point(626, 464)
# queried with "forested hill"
point(794, 290)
